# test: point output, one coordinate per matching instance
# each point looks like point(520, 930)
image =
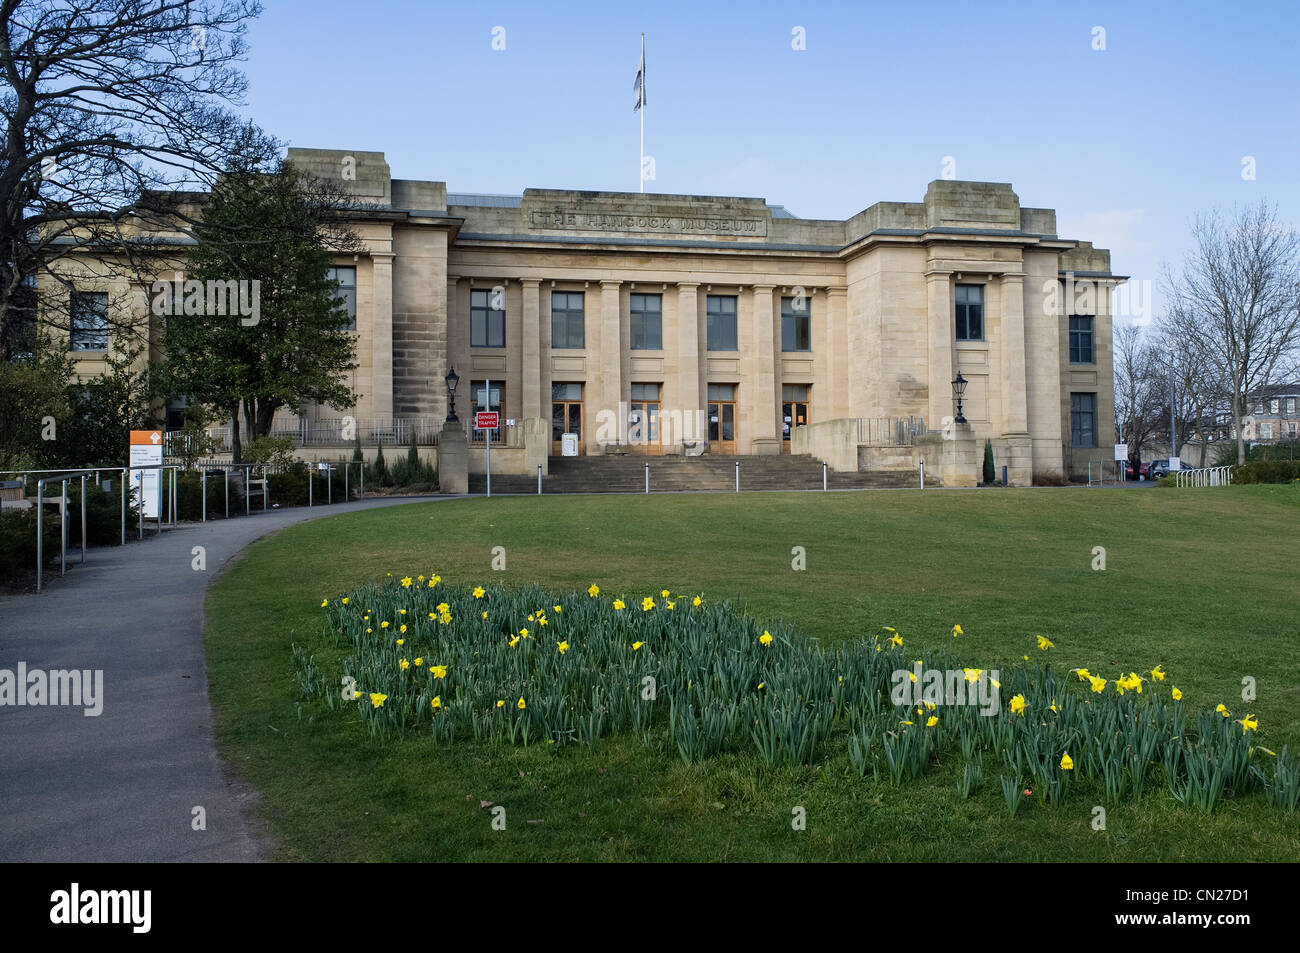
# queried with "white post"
point(737, 476)
point(647, 478)
point(488, 446)
point(539, 479)
point(923, 474)
point(641, 169)
point(823, 474)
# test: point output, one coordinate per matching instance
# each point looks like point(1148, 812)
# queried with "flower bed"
point(524, 666)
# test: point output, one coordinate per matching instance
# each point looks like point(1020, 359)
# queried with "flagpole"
point(642, 112)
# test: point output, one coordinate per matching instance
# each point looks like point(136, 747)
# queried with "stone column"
point(531, 377)
point(611, 354)
point(835, 403)
point(689, 396)
point(766, 438)
point(1014, 403)
point(381, 339)
point(940, 358)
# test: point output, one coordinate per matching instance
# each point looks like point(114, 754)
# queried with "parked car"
point(1159, 468)
point(1143, 472)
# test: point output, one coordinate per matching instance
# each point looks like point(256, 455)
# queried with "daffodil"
point(345, 600)
point(1158, 674)
point(403, 665)
point(542, 621)
point(671, 605)
point(972, 674)
point(897, 639)
point(437, 702)
point(1249, 723)
point(1018, 705)
point(383, 625)
point(557, 609)
point(697, 602)
point(665, 593)
point(377, 699)
point(1083, 673)
point(513, 642)
point(403, 628)
point(932, 721)
point(562, 646)
point(618, 605)
point(479, 592)
point(647, 603)
point(439, 671)
point(1177, 695)
point(1098, 684)
point(485, 613)
point(401, 641)
point(523, 633)
point(406, 582)
point(501, 703)
point(1067, 763)
point(765, 638)
point(1045, 643)
point(760, 686)
point(520, 704)
point(593, 590)
point(418, 662)
point(1222, 709)
point(636, 646)
point(324, 603)
point(956, 631)
point(434, 580)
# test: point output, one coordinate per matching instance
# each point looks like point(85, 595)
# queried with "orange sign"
point(146, 438)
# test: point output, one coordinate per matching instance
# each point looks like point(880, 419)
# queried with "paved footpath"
point(122, 786)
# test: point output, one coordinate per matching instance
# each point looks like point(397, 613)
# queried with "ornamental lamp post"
point(452, 380)
point(959, 388)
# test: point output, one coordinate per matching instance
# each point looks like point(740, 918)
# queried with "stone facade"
point(881, 286)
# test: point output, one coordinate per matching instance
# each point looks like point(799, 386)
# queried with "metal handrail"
point(63, 521)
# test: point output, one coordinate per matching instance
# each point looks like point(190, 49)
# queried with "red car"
point(1143, 471)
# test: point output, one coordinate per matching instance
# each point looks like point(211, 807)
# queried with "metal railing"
point(890, 431)
point(1203, 476)
point(344, 432)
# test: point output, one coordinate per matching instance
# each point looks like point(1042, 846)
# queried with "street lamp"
point(452, 380)
point(959, 388)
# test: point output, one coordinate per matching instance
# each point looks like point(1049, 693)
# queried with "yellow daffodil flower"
point(1177, 695)
point(697, 602)
point(562, 646)
point(513, 642)
point(1018, 705)
point(765, 638)
point(437, 702)
point(345, 600)
point(501, 703)
point(1045, 643)
point(479, 592)
point(377, 699)
point(418, 662)
point(1067, 763)
point(383, 625)
point(1098, 684)
point(972, 674)
point(521, 706)
point(324, 603)
point(439, 671)
point(932, 721)
point(593, 590)
point(1158, 674)
point(557, 609)
point(956, 631)
point(403, 665)
point(647, 603)
point(406, 583)
point(1223, 710)
point(637, 645)
point(1249, 723)
point(618, 605)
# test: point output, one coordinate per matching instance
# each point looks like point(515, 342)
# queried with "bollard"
point(247, 504)
point(83, 517)
point(329, 485)
point(647, 478)
point(63, 527)
point(923, 474)
point(226, 474)
point(737, 476)
point(123, 513)
point(311, 484)
point(823, 474)
point(539, 479)
point(1004, 476)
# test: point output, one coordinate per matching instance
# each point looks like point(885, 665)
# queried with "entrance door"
point(722, 418)
point(794, 411)
point(566, 415)
point(643, 419)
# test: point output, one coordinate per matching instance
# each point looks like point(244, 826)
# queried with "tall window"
point(1081, 339)
point(647, 322)
point(796, 324)
point(721, 311)
point(487, 319)
point(1290, 405)
point(347, 279)
point(567, 319)
point(970, 312)
point(89, 323)
point(1083, 420)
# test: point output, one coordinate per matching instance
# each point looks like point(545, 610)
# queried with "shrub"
point(289, 487)
point(990, 476)
point(18, 541)
point(1267, 471)
point(379, 469)
point(276, 451)
point(103, 515)
point(190, 492)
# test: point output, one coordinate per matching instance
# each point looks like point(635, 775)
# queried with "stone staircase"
point(709, 473)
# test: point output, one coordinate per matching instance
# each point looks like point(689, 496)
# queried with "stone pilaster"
point(381, 338)
point(1014, 402)
point(611, 352)
point(940, 338)
point(835, 403)
point(689, 394)
point(766, 437)
point(531, 377)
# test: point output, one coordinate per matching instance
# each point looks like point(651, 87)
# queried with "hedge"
point(1267, 471)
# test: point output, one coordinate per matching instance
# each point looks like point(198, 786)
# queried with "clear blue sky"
point(1127, 144)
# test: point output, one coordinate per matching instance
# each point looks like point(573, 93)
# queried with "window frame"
point(710, 315)
point(961, 320)
point(1079, 335)
point(566, 315)
point(491, 316)
point(77, 298)
point(791, 319)
point(1077, 414)
point(635, 313)
point(348, 292)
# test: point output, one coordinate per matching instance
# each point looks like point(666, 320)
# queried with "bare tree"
point(1137, 389)
point(107, 105)
point(1235, 305)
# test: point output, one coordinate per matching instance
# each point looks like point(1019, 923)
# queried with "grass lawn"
point(1202, 582)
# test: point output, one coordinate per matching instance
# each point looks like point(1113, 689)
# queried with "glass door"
point(566, 415)
point(794, 411)
point(643, 419)
point(722, 418)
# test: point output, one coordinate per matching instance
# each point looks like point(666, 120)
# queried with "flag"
point(638, 87)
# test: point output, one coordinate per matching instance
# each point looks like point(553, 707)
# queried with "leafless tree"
point(1138, 402)
point(108, 106)
point(1235, 304)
